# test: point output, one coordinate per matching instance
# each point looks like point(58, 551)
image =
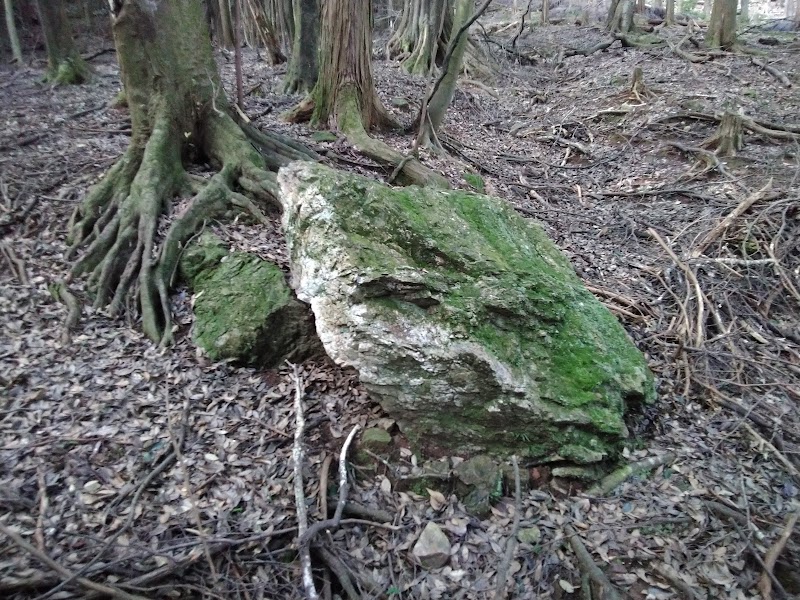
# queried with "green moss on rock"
point(463, 319)
point(244, 309)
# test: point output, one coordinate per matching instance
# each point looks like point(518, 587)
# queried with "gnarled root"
point(116, 226)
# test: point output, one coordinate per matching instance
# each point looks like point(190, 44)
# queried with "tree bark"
point(620, 16)
point(670, 16)
point(226, 28)
point(178, 109)
point(443, 95)
point(264, 28)
point(64, 63)
point(301, 74)
point(13, 38)
point(344, 95)
point(745, 10)
point(721, 31)
point(279, 13)
point(421, 37)
point(344, 89)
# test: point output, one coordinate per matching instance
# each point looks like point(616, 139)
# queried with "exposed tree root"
point(115, 227)
point(407, 169)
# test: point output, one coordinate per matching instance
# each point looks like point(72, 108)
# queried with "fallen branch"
point(64, 572)
point(780, 76)
point(765, 583)
point(692, 279)
point(616, 478)
point(674, 579)
point(607, 591)
point(339, 569)
point(17, 264)
point(723, 225)
point(511, 542)
point(778, 454)
point(299, 488)
point(306, 536)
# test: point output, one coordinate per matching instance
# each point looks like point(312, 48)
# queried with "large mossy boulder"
point(462, 318)
point(244, 309)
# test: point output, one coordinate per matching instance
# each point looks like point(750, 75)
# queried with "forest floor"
point(162, 474)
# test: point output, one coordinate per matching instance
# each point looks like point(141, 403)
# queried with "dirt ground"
point(161, 474)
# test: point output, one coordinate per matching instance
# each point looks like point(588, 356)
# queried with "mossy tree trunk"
point(721, 31)
point(620, 16)
point(344, 96)
point(422, 35)
point(443, 94)
point(420, 40)
point(64, 63)
point(178, 110)
point(11, 27)
point(301, 74)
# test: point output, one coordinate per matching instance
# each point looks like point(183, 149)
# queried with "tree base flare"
point(115, 228)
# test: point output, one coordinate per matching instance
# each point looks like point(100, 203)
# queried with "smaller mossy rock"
point(244, 310)
point(478, 481)
point(432, 550)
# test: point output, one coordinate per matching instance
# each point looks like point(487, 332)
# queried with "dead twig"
point(607, 591)
point(674, 579)
point(306, 536)
point(299, 488)
point(616, 478)
point(723, 225)
point(17, 264)
point(780, 76)
point(511, 542)
point(699, 335)
point(771, 557)
point(778, 454)
point(64, 572)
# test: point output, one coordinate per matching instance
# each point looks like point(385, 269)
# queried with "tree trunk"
point(421, 38)
point(745, 10)
point(545, 12)
point(279, 13)
point(344, 95)
point(670, 16)
point(226, 27)
point(64, 63)
point(301, 74)
point(13, 38)
point(178, 109)
point(344, 90)
point(438, 103)
point(264, 28)
point(620, 16)
point(722, 26)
